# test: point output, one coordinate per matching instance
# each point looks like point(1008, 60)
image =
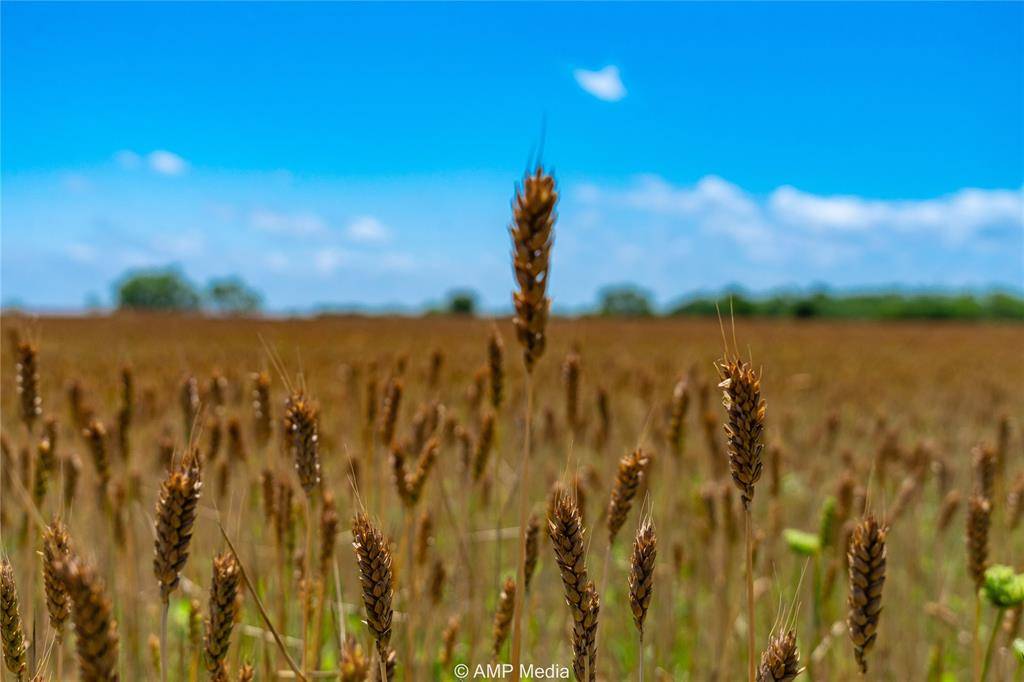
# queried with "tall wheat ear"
point(376, 579)
point(866, 558)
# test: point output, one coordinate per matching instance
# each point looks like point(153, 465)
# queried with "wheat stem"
point(524, 484)
point(751, 651)
point(165, 607)
point(976, 637)
point(640, 653)
point(309, 585)
point(991, 644)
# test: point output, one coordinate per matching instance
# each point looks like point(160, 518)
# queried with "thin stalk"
point(163, 640)
point(410, 645)
point(309, 584)
point(991, 644)
point(640, 651)
point(750, 595)
point(524, 484)
point(975, 636)
point(383, 665)
point(498, 506)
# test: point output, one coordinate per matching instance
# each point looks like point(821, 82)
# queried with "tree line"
point(168, 289)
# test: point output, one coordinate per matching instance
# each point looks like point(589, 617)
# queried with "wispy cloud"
point(955, 217)
point(166, 163)
point(302, 224)
point(367, 230)
point(160, 161)
point(329, 259)
point(790, 223)
point(604, 84)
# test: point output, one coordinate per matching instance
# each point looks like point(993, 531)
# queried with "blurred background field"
point(845, 399)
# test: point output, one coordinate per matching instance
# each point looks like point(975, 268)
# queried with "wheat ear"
point(503, 616)
point(630, 474)
point(224, 605)
point(780, 662)
point(866, 559)
point(12, 630)
point(96, 639)
point(376, 578)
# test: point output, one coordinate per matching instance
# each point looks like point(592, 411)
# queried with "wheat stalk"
point(741, 391)
point(496, 368)
point(565, 528)
point(175, 514)
point(571, 379)
point(56, 551)
point(188, 399)
point(641, 573)
point(224, 606)
point(27, 371)
point(532, 547)
point(377, 580)
point(261, 416)
point(979, 511)
point(628, 478)
point(96, 638)
point(503, 616)
point(483, 445)
point(866, 558)
point(302, 426)
point(641, 581)
point(12, 632)
point(780, 662)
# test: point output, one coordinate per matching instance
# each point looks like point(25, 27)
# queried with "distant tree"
point(461, 302)
point(156, 289)
point(232, 296)
point(624, 300)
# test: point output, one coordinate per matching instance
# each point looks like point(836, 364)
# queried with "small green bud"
point(1002, 587)
point(802, 542)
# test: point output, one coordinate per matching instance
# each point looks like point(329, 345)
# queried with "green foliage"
point(1018, 650)
point(624, 301)
point(461, 302)
point(802, 542)
point(995, 306)
point(156, 289)
point(1002, 587)
point(233, 296)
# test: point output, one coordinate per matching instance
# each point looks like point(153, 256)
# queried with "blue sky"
point(334, 153)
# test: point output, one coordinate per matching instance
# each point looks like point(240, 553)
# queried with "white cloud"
point(954, 217)
point(301, 224)
point(605, 84)
point(166, 163)
point(160, 161)
point(827, 229)
point(367, 230)
point(128, 159)
point(327, 260)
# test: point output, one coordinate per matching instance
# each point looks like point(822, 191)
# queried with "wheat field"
point(861, 418)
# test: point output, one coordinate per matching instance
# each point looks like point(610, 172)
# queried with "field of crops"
point(883, 420)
